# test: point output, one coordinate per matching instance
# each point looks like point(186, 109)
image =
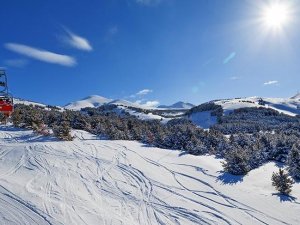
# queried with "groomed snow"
point(92, 181)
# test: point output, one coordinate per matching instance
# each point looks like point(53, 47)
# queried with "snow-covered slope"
point(92, 181)
point(177, 105)
point(90, 101)
point(296, 97)
point(287, 106)
point(120, 102)
point(27, 102)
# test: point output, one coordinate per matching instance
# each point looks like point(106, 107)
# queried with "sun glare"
point(276, 16)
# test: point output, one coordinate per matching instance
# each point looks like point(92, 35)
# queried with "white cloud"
point(144, 92)
point(41, 55)
point(151, 104)
point(77, 41)
point(16, 62)
point(271, 82)
point(140, 94)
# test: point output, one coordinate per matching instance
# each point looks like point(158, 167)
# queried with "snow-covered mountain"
point(296, 97)
point(28, 102)
point(93, 181)
point(95, 101)
point(287, 106)
point(90, 101)
point(120, 102)
point(177, 105)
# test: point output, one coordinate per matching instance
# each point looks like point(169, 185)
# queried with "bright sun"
point(276, 16)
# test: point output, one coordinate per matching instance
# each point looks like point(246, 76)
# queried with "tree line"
point(245, 138)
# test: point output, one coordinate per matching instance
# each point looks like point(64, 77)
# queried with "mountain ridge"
point(178, 105)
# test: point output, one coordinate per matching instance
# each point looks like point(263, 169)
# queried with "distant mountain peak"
point(297, 96)
point(89, 101)
point(178, 105)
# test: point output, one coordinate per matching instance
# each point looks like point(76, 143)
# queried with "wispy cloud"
point(76, 41)
point(144, 92)
point(111, 33)
point(271, 82)
point(141, 93)
point(16, 62)
point(230, 57)
point(41, 54)
point(148, 2)
point(113, 30)
point(234, 78)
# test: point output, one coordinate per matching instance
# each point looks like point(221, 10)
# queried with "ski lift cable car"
point(6, 100)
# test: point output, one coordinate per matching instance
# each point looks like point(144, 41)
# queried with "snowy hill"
point(204, 119)
point(141, 111)
point(27, 102)
point(92, 181)
point(287, 106)
point(95, 101)
point(296, 97)
point(120, 102)
point(178, 105)
point(90, 101)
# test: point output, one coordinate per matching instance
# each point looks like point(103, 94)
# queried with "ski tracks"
point(90, 181)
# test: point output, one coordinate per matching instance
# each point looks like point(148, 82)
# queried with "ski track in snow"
point(92, 181)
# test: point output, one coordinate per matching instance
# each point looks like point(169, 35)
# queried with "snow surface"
point(95, 101)
point(287, 106)
point(297, 96)
point(120, 102)
point(145, 116)
point(92, 101)
point(178, 105)
point(27, 102)
point(92, 181)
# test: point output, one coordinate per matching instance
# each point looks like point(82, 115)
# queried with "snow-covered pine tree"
point(237, 161)
point(62, 131)
point(16, 117)
point(282, 182)
point(294, 161)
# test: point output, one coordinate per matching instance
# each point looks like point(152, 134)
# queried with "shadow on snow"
point(227, 178)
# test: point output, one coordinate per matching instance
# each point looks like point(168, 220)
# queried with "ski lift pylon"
point(6, 100)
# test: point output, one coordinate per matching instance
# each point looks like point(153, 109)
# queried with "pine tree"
point(62, 131)
point(294, 161)
point(282, 182)
point(237, 161)
point(16, 117)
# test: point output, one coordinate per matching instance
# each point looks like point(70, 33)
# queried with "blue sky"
point(147, 50)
